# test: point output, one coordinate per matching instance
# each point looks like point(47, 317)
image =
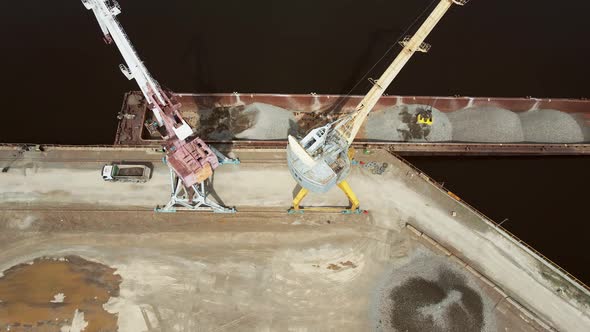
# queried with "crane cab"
point(107, 173)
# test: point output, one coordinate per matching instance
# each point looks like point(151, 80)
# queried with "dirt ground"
point(26, 288)
point(258, 270)
point(325, 274)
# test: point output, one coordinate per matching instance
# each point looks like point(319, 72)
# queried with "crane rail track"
point(401, 148)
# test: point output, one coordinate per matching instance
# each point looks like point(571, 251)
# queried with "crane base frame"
point(345, 187)
point(190, 199)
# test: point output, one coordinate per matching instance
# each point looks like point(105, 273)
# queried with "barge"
point(461, 125)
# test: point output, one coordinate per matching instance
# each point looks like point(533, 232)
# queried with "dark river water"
point(61, 83)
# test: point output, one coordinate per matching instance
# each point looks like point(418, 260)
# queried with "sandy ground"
point(264, 270)
point(282, 274)
point(245, 279)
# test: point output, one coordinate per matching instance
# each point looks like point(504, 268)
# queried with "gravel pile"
point(268, 122)
point(427, 293)
point(583, 121)
point(399, 124)
point(550, 126)
point(486, 124)
point(474, 124)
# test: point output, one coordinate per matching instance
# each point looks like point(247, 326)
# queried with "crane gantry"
point(322, 158)
point(190, 160)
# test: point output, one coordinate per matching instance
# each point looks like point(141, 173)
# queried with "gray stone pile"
point(269, 122)
point(486, 124)
point(583, 121)
point(398, 123)
point(550, 126)
point(430, 294)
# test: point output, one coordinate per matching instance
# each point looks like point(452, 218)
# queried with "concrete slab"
point(262, 269)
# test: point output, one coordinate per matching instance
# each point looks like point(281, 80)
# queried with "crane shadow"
point(210, 187)
point(296, 190)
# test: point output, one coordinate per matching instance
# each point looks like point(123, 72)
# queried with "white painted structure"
point(105, 12)
point(320, 160)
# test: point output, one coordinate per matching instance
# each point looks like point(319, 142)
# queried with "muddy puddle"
point(44, 295)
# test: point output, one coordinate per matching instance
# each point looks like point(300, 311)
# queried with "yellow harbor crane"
point(322, 158)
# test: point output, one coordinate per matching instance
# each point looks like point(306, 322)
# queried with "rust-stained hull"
point(220, 118)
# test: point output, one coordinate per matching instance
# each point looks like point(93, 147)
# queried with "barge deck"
point(462, 125)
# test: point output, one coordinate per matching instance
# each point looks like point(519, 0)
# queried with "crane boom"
point(321, 159)
point(188, 156)
point(410, 46)
point(106, 12)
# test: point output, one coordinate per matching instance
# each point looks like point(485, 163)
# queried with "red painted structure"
point(191, 159)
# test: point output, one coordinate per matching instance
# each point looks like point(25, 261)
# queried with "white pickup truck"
point(120, 172)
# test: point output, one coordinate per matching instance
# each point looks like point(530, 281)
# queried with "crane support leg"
point(190, 199)
point(344, 186)
point(354, 201)
point(223, 159)
point(300, 196)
